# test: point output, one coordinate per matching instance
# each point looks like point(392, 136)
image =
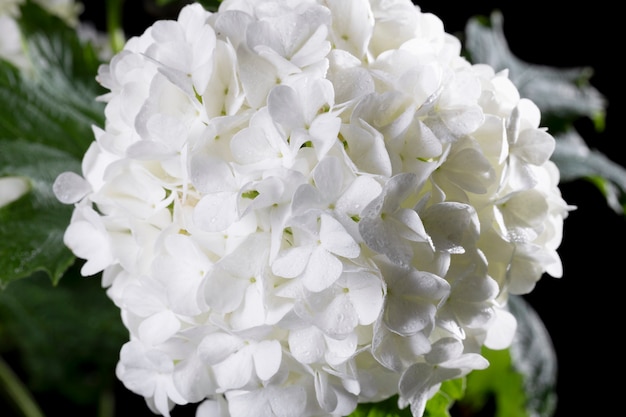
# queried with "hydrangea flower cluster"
point(303, 205)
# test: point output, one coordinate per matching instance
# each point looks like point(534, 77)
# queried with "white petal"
point(252, 311)
point(341, 350)
point(285, 108)
point(534, 146)
point(322, 270)
point(366, 292)
point(210, 174)
point(213, 408)
point(291, 262)
point(216, 212)
point(158, 327)
point(358, 195)
point(68, 188)
point(502, 330)
point(452, 226)
point(336, 239)
point(88, 242)
point(328, 177)
point(383, 237)
point(307, 345)
point(193, 379)
point(289, 401)
point(223, 291)
point(257, 75)
point(420, 382)
point(407, 317)
point(217, 346)
point(235, 371)
point(267, 358)
point(445, 349)
point(338, 318)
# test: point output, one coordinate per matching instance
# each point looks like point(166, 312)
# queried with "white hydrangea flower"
point(302, 205)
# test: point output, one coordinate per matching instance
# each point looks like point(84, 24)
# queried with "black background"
point(581, 309)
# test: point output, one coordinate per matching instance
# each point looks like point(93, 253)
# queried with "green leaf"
point(562, 94)
point(533, 356)
point(520, 381)
point(31, 228)
point(211, 5)
point(46, 119)
point(576, 160)
point(438, 406)
point(441, 403)
point(64, 339)
point(162, 3)
point(499, 383)
point(171, 8)
point(55, 102)
point(386, 408)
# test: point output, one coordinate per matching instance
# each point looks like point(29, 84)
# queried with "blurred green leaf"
point(386, 408)
point(164, 2)
point(533, 356)
point(211, 5)
point(169, 9)
point(562, 94)
point(46, 119)
point(443, 401)
point(67, 337)
point(576, 160)
point(520, 381)
point(438, 406)
point(499, 383)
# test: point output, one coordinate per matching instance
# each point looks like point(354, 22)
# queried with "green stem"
point(16, 392)
point(114, 25)
point(106, 404)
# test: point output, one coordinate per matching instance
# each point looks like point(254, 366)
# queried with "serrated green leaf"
point(46, 118)
point(31, 228)
point(576, 160)
point(54, 102)
point(562, 94)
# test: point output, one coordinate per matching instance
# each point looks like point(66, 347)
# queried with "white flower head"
point(302, 205)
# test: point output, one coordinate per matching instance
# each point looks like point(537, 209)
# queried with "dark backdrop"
point(579, 310)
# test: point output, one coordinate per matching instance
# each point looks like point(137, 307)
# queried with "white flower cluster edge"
point(303, 205)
